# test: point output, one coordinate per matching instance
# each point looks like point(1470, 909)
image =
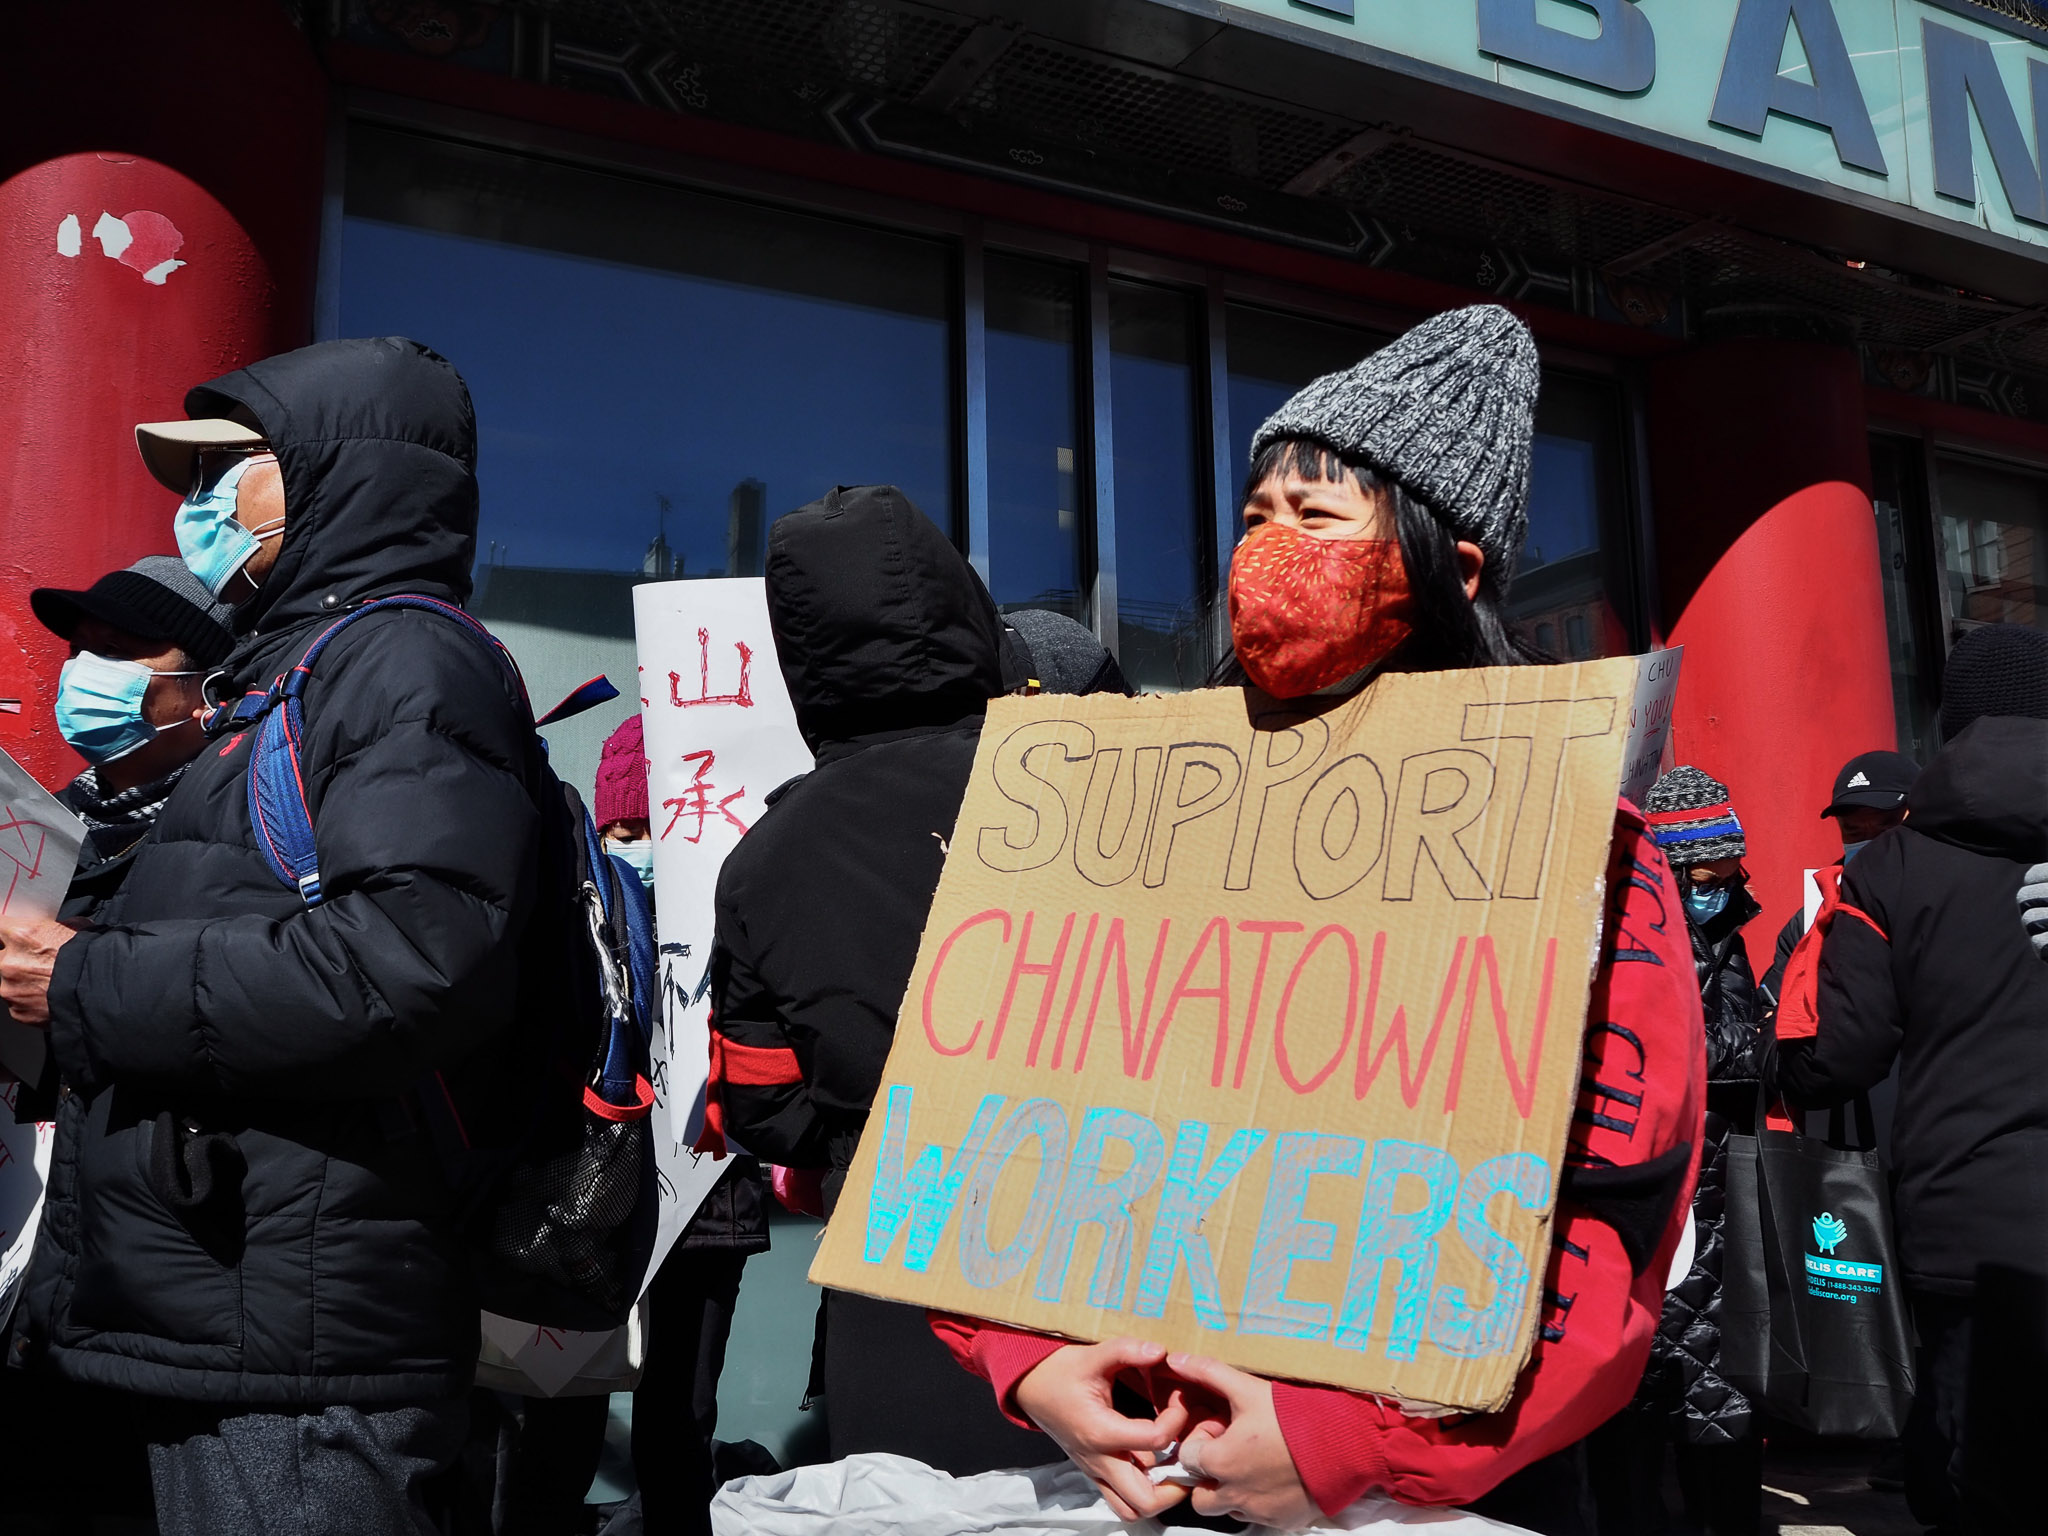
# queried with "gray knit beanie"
point(1692, 820)
point(1065, 655)
point(1448, 409)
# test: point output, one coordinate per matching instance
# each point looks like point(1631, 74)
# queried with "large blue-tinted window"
point(1037, 509)
point(657, 375)
point(1271, 356)
point(1568, 590)
point(1161, 511)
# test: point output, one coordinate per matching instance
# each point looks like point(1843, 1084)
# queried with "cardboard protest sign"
point(39, 843)
point(721, 734)
point(1254, 1029)
point(1649, 721)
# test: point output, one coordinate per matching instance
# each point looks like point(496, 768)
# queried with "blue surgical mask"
point(640, 855)
point(99, 706)
point(213, 544)
point(1850, 850)
point(1705, 906)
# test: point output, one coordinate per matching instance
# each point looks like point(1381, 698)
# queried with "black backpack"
point(544, 1132)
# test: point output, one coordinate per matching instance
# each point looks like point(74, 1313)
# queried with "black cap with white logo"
point(1875, 779)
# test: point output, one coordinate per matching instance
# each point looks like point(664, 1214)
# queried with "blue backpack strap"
point(277, 786)
point(640, 946)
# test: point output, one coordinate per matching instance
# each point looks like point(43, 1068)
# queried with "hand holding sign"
point(28, 956)
point(1242, 1465)
point(1069, 1395)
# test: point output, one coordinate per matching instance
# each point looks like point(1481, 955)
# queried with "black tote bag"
point(1814, 1320)
point(1745, 1360)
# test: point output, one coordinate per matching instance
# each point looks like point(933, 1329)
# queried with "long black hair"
point(1451, 630)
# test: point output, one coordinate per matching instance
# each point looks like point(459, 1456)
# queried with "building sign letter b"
point(1622, 58)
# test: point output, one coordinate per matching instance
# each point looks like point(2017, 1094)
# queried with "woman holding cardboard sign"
point(1384, 514)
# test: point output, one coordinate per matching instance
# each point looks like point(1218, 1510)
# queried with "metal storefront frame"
point(973, 238)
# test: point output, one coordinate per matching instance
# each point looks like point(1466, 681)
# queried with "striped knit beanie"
point(1691, 819)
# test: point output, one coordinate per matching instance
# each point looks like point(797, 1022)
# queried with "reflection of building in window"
point(1993, 519)
point(1054, 600)
point(661, 561)
point(1165, 646)
point(1991, 569)
point(745, 522)
point(1563, 607)
point(579, 602)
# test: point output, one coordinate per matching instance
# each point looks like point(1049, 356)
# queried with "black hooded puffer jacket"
point(241, 1210)
point(892, 650)
point(1946, 983)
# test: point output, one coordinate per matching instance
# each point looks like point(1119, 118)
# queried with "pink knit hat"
point(622, 776)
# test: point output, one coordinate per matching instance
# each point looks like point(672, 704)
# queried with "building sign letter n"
point(1961, 73)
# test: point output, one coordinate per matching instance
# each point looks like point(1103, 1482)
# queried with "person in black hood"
point(1939, 975)
point(892, 649)
point(245, 1225)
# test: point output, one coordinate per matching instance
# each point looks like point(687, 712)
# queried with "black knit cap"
point(156, 598)
point(2000, 669)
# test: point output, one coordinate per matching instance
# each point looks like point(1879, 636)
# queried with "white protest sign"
point(39, 843)
point(24, 1167)
point(1649, 722)
point(517, 1355)
point(720, 736)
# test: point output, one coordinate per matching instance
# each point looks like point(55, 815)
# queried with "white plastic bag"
point(877, 1495)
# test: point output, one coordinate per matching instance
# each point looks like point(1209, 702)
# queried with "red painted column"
point(1768, 565)
point(160, 182)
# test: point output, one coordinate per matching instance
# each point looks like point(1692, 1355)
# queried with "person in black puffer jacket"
point(85, 1444)
point(244, 1225)
point(892, 650)
point(1942, 980)
point(1683, 1396)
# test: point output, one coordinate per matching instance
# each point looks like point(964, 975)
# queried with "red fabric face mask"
point(1308, 612)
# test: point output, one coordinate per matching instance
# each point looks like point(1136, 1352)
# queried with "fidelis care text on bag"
point(1255, 1029)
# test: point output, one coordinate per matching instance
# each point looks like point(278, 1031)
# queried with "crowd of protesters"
point(249, 1307)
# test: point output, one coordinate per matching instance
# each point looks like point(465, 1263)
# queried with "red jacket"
point(1644, 1041)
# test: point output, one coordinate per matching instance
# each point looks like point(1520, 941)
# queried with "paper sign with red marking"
point(1254, 1029)
point(720, 735)
point(1649, 721)
point(39, 843)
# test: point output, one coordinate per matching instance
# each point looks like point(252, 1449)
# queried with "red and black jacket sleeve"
point(757, 1095)
point(1861, 1018)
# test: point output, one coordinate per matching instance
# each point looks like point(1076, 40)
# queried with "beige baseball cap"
point(170, 449)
